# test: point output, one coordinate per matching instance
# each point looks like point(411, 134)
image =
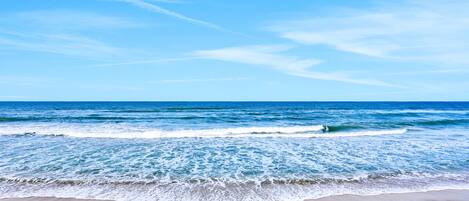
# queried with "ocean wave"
point(326, 179)
point(419, 111)
point(134, 111)
point(14, 119)
point(294, 190)
point(432, 122)
point(60, 118)
point(114, 119)
point(117, 131)
point(442, 122)
point(168, 109)
point(122, 131)
point(337, 128)
point(365, 133)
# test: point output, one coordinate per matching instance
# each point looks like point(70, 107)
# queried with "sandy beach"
point(47, 199)
point(443, 195)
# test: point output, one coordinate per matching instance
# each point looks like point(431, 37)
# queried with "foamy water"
point(126, 131)
point(231, 151)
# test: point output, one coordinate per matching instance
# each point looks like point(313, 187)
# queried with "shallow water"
point(231, 150)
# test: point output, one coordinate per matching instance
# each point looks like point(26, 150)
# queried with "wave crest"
point(122, 131)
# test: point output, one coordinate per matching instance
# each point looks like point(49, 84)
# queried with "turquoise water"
point(231, 150)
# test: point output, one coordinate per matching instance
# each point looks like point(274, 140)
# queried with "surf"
point(113, 131)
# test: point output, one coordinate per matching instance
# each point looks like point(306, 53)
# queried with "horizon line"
point(227, 101)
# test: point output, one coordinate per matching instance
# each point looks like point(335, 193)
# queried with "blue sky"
point(234, 50)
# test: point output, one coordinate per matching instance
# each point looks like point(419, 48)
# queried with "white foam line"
point(328, 135)
point(110, 132)
point(420, 111)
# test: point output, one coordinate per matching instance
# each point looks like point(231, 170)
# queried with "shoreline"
point(435, 195)
point(48, 199)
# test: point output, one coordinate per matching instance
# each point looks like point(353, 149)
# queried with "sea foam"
point(126, 131)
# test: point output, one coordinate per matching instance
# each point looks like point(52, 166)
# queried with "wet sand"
point(443, 195)
point(47, 199)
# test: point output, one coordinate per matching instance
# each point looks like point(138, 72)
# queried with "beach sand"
point(443, 195)
point(47, 199)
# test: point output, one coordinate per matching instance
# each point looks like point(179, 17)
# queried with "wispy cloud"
point(417, 31)
point(65, 44)
point(271, 56)
point(168, 1)
point(202, 80)
point(61, 32)
point(450, 71)
point(69, 19)
point(147, 61)
point(160, 10)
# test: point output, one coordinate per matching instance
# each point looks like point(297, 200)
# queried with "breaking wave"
point(295, 190)
point(120, 131)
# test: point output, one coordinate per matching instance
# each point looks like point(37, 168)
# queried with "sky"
point(256, 50)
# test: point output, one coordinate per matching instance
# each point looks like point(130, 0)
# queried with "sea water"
point(269, 151)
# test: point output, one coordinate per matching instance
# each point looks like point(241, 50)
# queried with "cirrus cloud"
point(273, 56)
point(425, 31)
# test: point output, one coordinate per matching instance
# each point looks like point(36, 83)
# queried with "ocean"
point(231, 151)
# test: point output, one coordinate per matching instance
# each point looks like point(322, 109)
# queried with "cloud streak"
point(64, 44)
point(271, 56)
point(148, 61)
point(73, 20)
point(202, 80)
point(429, 31)
point(160, 10)
point(168, 1)
point(62, 32)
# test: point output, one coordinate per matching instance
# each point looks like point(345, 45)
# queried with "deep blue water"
point(231, 150)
